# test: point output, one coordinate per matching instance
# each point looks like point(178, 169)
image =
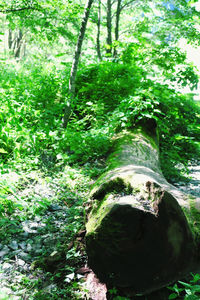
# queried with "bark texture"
point(99, 31)
point(109, 27)
point(140, 232)
point(15, 42)
point(75, 62)
point(118, 11)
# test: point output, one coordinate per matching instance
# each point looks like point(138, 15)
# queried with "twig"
point(17, 9)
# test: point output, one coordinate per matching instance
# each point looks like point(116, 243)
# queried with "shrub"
point(118, 96)
point(32, 100)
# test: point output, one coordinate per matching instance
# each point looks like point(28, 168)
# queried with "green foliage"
point(87, 145)
point(101, 87)
point(177, 115)
point(31, 196)
point(43, 21)
point(187, 291)
point(179, 134)
point(32, 99)
point(114, 294)
point(110, 96)
point(162, 61)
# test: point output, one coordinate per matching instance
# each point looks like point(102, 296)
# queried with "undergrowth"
point(44, 166)
point(42, 233)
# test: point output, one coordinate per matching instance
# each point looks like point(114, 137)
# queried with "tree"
point(109, 27)
point(44, 24)
point(163, 21)
point(75, 62)
point(117, 24)
point(99, 31)
point(15, 42)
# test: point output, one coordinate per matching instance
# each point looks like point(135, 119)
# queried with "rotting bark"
point(140, 233)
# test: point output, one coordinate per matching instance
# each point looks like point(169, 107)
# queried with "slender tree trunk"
point(18, 44)
point(99, 31)
point(10, 40)
point(109, 27)
point(117, 25)
point(142, 233)
point(24, 49)
point(15, 42)
point(75, 62)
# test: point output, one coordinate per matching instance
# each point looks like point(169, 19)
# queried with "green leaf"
point(173, 296)
point(3, 151)
point(89, 103)
point(60, 54)
point(185, 284)
point(59, 156)
point(191, 297)
point(196, 288)
point(196, 277)
point(188, 291)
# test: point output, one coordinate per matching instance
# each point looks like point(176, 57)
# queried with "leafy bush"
point(109, 97)
point(161, 60)
point(101, 87)
point(87, 146)
point(177, 115)
point(32, 100)
point(187, 291)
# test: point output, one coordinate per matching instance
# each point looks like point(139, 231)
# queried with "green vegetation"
point(188, 291)
point(47, 170)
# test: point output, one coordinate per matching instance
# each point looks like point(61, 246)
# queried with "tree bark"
point(17, 49)
point(117, 25)
point(99, 31)
point(15, 42)
point(10, 40)
point(67, 111)
point(109, 27)
point(141, 232)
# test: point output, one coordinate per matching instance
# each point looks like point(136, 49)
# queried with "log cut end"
point(137, 235)
point(135, 243)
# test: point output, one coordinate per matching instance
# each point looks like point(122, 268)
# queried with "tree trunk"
point(99, 31)
point(141, 232)
point(15, 42)
point(109, 27)
point(117, 25)
point(10, 39)
point(17, 49)
point(75, 62)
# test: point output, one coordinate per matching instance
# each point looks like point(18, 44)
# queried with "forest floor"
point(42, 237)
point(193, 185)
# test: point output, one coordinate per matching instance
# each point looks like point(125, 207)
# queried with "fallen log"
point(141, 232)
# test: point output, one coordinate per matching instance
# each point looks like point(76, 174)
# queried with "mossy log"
point(141, 232)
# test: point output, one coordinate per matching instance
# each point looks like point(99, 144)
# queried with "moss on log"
point(141, 232)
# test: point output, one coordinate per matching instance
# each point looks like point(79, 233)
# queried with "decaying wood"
point(141, 232)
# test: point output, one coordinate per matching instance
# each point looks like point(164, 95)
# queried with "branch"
point(127, 4)
point(17, 9)
point(103, 5)
point(124, 31)
point(113, 2)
